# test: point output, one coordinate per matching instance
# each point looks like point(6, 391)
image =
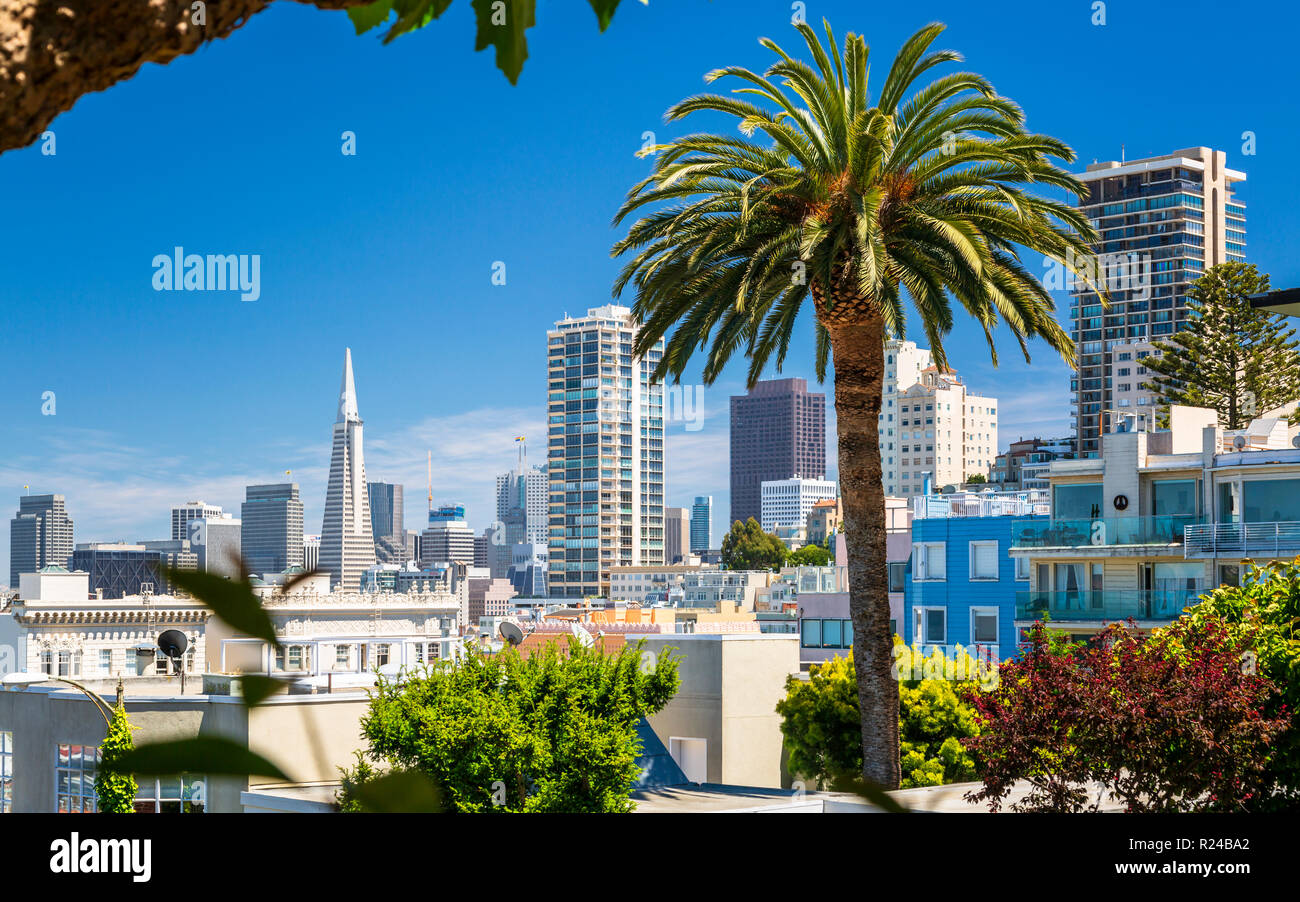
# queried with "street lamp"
point(23, 680)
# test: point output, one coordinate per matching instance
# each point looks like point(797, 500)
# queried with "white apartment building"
point(936, 428)
point(605, 452)
point(788, 502)
point(182, 514)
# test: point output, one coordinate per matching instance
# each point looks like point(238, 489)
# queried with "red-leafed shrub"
point(1166, 722)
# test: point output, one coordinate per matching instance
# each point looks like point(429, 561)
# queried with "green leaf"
point(874, 794)
point(605, 11)
point(400, 792)
point(501, 24)
point(367, 17)
point(208, 755)
point(231, 600)
point(415, 14)
point(257, 689)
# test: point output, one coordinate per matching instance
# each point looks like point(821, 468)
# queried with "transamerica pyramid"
point(347, 549)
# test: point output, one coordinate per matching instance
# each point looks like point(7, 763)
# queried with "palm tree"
point(858, 205)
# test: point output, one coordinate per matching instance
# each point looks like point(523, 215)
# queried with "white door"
point(691, 756)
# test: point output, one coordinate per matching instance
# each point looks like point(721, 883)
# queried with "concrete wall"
point(730, 687)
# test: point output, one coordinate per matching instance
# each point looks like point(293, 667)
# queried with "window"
point(47, 663)
point(984, 626)
point(106, 661)
point(1022, 568)
point(1173, 498)
point(832, 634)
point(1271, 500)
point(342, 657)
point(897, 573)
point(847, 637)
point(983, 560)
point(381, 655)
point(928, 561)
point(810, 632)
point(74, 778)
point(1081, 501)
point(170, 795)
point(293, 658)
point(931, 626)
point(6, 773)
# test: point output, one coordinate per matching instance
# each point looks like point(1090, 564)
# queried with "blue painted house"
point(961, 582)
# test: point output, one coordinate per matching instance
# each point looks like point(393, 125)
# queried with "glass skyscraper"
point(1163, 221)
point(701, 523)
point(271, 537)
point(605, 452)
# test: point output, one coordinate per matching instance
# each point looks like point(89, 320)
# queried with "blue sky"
point(167, 396)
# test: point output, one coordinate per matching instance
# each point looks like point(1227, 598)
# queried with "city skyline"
point(238, 417)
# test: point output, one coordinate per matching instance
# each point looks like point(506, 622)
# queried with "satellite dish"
point(1239, 442)
point(581, 635)
point(1295, 442)
point(173, 643)
point(511, 633)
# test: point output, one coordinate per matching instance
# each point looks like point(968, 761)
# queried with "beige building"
point(1158, 519)
point(935, 428)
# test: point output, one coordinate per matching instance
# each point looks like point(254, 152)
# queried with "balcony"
point(1245, 540)
point(1099, 532)
point(1160, 605)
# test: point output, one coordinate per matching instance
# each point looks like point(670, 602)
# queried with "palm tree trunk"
point(858, 353)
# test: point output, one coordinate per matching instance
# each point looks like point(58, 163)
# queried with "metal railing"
point(1276, 540)
point(1108, 604)
point(1099, 531)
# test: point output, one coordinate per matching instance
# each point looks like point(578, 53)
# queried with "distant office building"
point(387, 522)
point(677, 534)
point(216, 541)
point(271, 539)
point(118, 569)
point(778, 430)
point(1163, 221)
point(527, 571)
point(701, 524)
point(347, 546)
point(413, 542)
point(448, 538)
point(311, 553)
point(523, 504)
point(40, 535)
point(606, 451)
point(1026, 462)
point(788, 502)
point(489, 597)
point(936, 429)
point(191, 510)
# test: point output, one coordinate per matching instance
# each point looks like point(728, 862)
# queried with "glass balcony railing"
point(1099, 531)
point(1247, 540)
point(1107, 604)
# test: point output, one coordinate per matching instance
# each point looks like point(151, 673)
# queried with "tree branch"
point(54, 51)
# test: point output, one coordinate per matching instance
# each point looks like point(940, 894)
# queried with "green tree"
point(809, 556)
point(821, 721)
point(747, 547)
point(551, 732)
point(115, 792)
point(975, 479)
point(1229, 356)
point(921, 196)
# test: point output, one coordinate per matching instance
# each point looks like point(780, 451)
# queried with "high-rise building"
point(605, 452)
point(271, 536)
point(522, 504)
point(1163, 222)
point(387, 522)
point(677, 534)
point(788, 502)
point(778, 430)
point(40, 535)
point(937, 430)
point(448, 538)
point(904, 363)
point(118, 569)
point(216, 542)
point(701, 524)
point(182, 514)
point(347, 546)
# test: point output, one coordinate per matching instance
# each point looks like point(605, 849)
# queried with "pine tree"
point(1229, 357)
